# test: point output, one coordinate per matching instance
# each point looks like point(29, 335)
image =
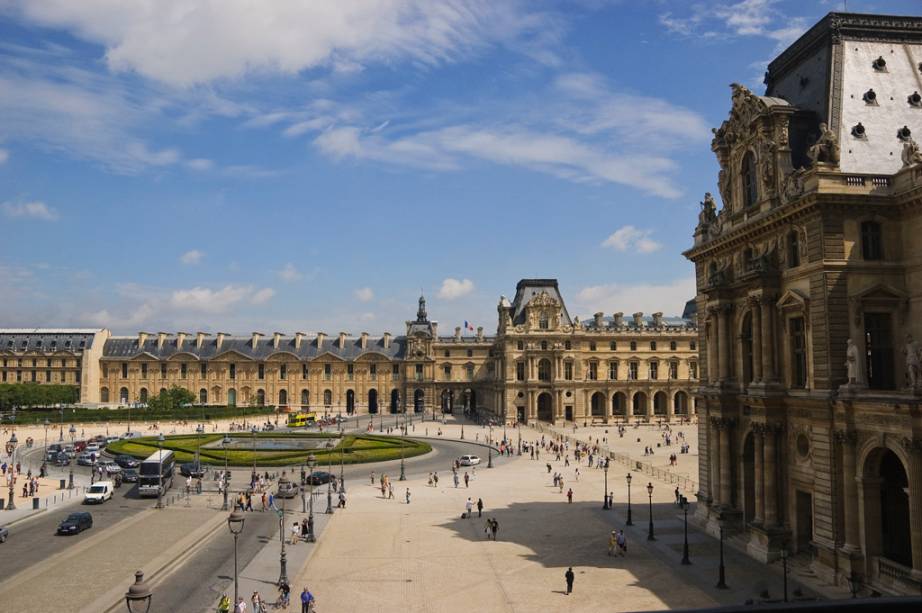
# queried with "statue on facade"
point(826, 148)
point(912, 155)
point(911, 351)
point(853, 364)
point(708, 212)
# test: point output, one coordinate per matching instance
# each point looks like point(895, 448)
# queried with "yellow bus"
point(300, 420)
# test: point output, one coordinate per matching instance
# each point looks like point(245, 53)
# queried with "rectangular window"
point(350, 371)
point(654, 371)
point(543, 323)
point(395, 371)
point(568, 371)
point(798, 352)
point(447, 371)
point(632, 371)
point(233, 371)
point(520, 345)
point(871, 248)
point(105, 371)
point(419, 372)
point(327, 371)
point(592, 346)
point(34, 377)
point(47, 376)
point(672, 345)
point(470, 353)
point(304, 371)
point(652, 345)
point(183, 370)
point(76, 377)
point(470, 372)
point(261, 371)
point(373, 371)
point(520, 371)
point(447, 353)
point(633, 345)
point(203, 369)
point(878, 340)
point(693, 370)
point(18, 376)
point(163, 370)
point(673, 370)
point(613, 346)
point(124, 370)
point(693, 345)
point(143, 371)
point(593, 371)
point(567, 345)
point(613, 371)
point(283, 371)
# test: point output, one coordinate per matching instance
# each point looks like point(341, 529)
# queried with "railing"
point(892, 570)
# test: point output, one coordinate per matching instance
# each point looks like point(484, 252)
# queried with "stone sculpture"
point(853, 364)
point(911, 350)
point(826, 148)
point(912, 155)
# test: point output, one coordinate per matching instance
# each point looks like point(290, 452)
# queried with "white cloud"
point(364, 294)
point(191, 257)
point(262, 296)
point(289, 273)
point(207, 300)
point(744, 18)
point(454, 288)
point(4, 156)
point(668, 298)
point(630, 238)
point(183, 43)
point(200, 164)
point(29, 210)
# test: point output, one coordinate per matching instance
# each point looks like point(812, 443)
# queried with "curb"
point(26, 517)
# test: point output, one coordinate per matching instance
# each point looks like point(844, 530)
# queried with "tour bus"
point(156, 472)
point(300, 420)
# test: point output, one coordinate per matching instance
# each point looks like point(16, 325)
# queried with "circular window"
point(803, 445)
point(521, 395)
point(858, 130)
point(569, 394)
point(870, 96)
point(904, 133)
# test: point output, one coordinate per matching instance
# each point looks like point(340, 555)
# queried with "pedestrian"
point(548, 468)
point(408, 495)
point(295, 532)
point(435, 478)
point(622, 543)
point(678, 496)
point(224, 604)
point(430, 479)
point(455, 479)
point(241, 606)
point(307, 600)
point(570, 496)
point(257, 602)
point(372, 482)
point(494, 527)
point(569, 576)
point(390, 491)
point(468, 507)
point(467, 479)
point(342, 500)
point(560, 483)
point(304, 528)
point(487, 528)
point(612, 542)
point(479, 507)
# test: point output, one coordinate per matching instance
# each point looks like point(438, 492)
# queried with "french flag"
point(468, 326)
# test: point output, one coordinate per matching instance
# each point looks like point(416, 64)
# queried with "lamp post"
point(235, 525)
point(160, 440)
point(138, 596)
point(490, 449)
point(129, 417)
point(784, 564)
point(310, 517)
point(12, 444)
point(199, 429)
point(403, 474)
point(342, 465)
point(519, 428)
point(45, 451)
point(61, 431)
point(73, 433)
point(650, 536)
point(283, 559)
point(253, 476)
point(224, 478)
point(684, 502)
point(462, 427)
point(605, 491)
point(329, 510)
point(629, 522)
point(721, 574)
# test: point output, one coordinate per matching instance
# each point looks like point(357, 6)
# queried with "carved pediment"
point(793, 300)
point(543, 299)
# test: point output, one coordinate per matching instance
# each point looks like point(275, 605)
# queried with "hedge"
point(121, 414)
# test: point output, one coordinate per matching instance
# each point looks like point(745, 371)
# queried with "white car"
point(91, 448)
point(99, 492)
point(469, 460)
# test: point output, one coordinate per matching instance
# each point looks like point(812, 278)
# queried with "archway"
point(350, 402)
point(395, 401)
point(202, 396)
point(283, 398)
point(619, 404)
point(123, 395)
point(659, 404)
point(260, 397)
point(680, 403)
point(142, 395)
point(598, 404)
point(448, 400)
point(372, 400)
point(640, 403)
point(305, 399)
point(886, 507)
point(419, 401)
point(327, 398)
point(104, 394)
point(231, 397)
point(545, 407)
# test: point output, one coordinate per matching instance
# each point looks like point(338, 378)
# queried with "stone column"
point(712, 346)
point(725, 425)
point(849, 490)
point(768, 340)
point(771, 486)
point(756, 341)
point(759, 477)
point(914, 447)
point(714, 460)
point(723, 343)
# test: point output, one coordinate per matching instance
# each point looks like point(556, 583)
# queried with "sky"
point(239, 166)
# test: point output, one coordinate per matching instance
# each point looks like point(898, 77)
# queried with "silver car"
point(287, 489)
point(4, 534)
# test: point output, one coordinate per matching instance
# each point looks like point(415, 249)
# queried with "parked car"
point(99, 492)
point(130, 475)
point(91, 448)
point(79, 446)
point(4, 534)
point(127, 461)
point(287, 489)
point(86, 459)
point(62, 459)
point(76, 523)
point(469, 460)
point(110, 467)
point(111, 439)
point(70, 451)
point(319, 477)
point(192, 469)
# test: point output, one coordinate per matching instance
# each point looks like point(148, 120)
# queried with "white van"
point(99, 492)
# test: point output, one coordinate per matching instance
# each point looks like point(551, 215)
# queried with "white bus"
point(156, 472)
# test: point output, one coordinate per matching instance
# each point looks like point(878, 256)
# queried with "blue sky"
point(305, 166)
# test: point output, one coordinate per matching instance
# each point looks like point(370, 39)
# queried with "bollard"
point(35, 503)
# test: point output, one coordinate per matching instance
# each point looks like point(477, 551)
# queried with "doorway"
point(804, 511)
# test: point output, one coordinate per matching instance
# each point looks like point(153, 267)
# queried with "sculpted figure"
point(912, 155)
point(826, 148)
point(708, 212)
point(853, 364)
point(911, 351)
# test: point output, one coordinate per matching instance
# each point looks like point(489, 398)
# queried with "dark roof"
point(46, 340)
point(127, 347)
point(526, 289)
point(691, 310)
point(675, 323)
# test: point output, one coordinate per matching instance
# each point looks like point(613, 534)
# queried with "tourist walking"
point(570, 496)
point(612, 542)
point(468, 507)
point(569, 576)
point(307, 600)
point(479, 507)
point(467, 479)
point(408, 495)
point(622, 543)
point(494, 527)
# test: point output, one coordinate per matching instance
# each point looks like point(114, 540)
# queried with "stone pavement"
point(385, 555)
point(49, 496)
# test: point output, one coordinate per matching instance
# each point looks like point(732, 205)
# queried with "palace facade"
point(809, 299)
point(540, 365)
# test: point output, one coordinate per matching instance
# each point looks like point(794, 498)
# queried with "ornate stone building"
point(541, 364)
point(809, 296)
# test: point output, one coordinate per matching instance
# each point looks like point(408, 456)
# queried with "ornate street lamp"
point(235, 525)
point(73, 433)
point(629, 522)
point(12, 445)
point(283, 559)
point(650, 536)
point(310, 480)
point(138, 596)
point(605, 491)
point(721, 576)
point(683, 501)
point(329, 510)
point(253, 476)
point(224, 478)
point(490, 449)
point(160, 440)
point(45, 451)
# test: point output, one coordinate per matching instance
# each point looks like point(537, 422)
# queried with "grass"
point(351, 449)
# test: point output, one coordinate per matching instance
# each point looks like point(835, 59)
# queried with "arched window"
point(543, 345)
point(123, 395)
point(260, 397)
point(203, 396)
point(543, 322)
point(231, 397)
point(305, 397)
point(283, 398)
point(748, 173)
point(544, 370)
point(327, 398)
point(871, 247)
point(104, 394)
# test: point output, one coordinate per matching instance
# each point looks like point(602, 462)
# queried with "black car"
point(126, 461)
point(62, 459)
point(319, 477)
point(75, 523)
point(192, 469)
point(130, 475)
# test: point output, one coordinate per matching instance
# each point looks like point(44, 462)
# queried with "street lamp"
point(160, 440)
point(224, 479)
point(403, 475)
point(342, 462)
point(235, 525)
point(73, 433)
point(329, 510)
point(650, 536)
point(61, 431)
point(629, 522)
point(45, 451)
point(490, 449)
point(253, 476)
point(310, 480)
point(12, 444)
point(283, 560)
point(721, 575)
point(138, 596)
point(199, 429)
point(683, 501)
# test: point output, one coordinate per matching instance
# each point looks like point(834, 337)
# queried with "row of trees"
point(172, 398)
point(27, 395)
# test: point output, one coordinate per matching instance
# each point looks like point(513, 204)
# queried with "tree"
point(174, 398)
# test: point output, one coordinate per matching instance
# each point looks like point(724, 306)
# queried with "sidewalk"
point(50, 498)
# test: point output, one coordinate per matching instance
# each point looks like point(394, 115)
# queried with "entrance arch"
point(659, 403)
point(372, 400)
point(598, 404)
point(640, 403)
point(395, 401)
point(283, 398)
point(680, 403)
point(305, 399)
point(545, 407)
point(619, 404)
point(448, 401)
point(350, 402)
point(419, 401)
point(231, 397)
point(886, 507)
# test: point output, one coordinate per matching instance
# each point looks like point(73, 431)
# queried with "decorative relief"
point(912, 445)
point(825, 151)
point(846, 437)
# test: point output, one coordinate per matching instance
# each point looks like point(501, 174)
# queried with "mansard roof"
point(46, 339)
point(526, 289)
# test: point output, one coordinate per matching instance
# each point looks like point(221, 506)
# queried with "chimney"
point(479, 333)
point(457, 333)
point(276, 338)
point(181, 338)
point(364, 340)
point(342, 340)
point(298, 337)
point(200, 339)
point(657, 320)
point(598, 319)
point(617, 320)
point(387, 340)
point(320, 338)
point(142, 338)
point(638, 319)
point(255, 340)
point(435, 329)
point(220, 340)
point(161, 338)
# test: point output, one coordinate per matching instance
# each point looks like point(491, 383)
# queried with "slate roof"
point(526, 289)
point(46, 339)
point(628, 323)
point(127, 347)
